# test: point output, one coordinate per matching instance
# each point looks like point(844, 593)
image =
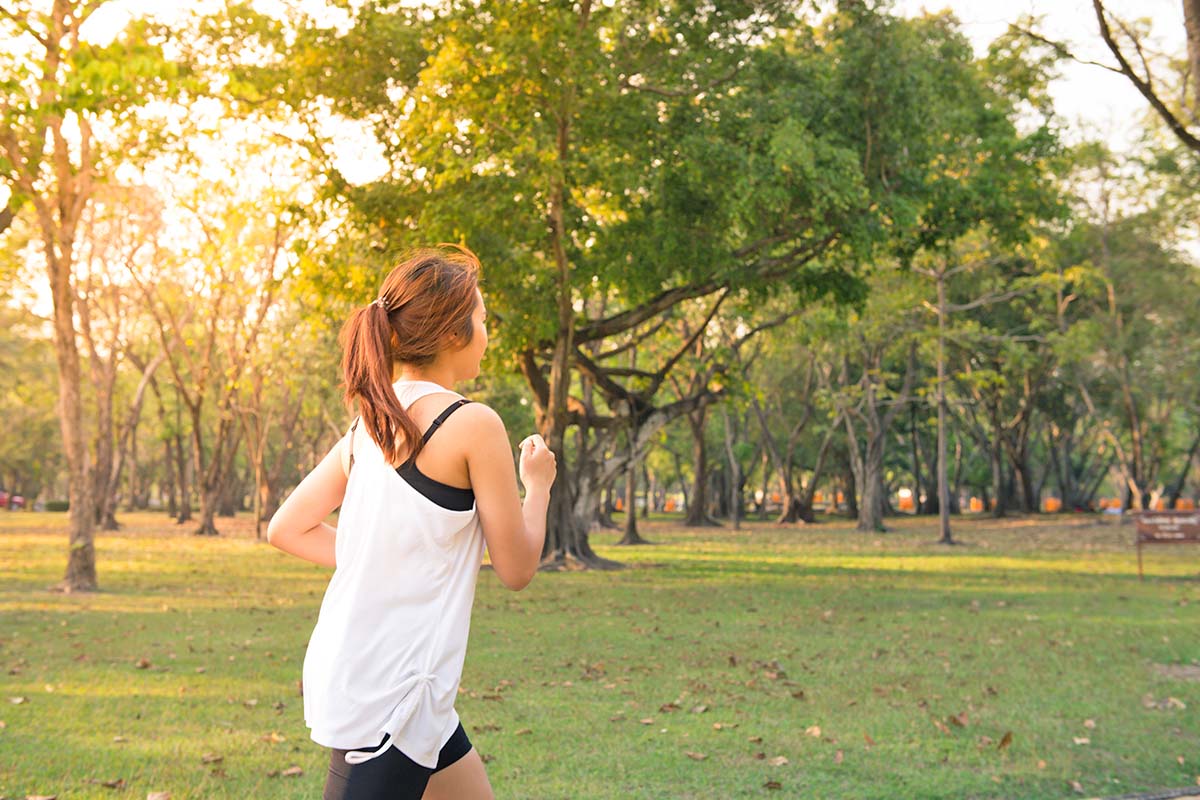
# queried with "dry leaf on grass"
point(695, 756)
point(778, 761)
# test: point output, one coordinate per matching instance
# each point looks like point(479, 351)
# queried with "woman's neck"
point(433, 373)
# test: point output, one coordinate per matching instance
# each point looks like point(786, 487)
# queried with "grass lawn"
point(813, 662)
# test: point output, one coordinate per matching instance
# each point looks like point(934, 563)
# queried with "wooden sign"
point(1166, 527)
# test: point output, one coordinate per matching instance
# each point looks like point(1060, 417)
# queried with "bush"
point(58, 505)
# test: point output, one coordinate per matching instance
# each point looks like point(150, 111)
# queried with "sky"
point(1095, 103)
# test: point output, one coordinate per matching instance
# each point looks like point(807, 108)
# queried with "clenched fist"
point(538, 465)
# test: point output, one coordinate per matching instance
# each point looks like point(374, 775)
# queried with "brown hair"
point(427, 299)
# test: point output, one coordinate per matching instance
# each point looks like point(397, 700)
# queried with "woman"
point(383, 665)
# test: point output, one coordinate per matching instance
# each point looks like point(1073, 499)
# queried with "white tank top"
point(386, 656)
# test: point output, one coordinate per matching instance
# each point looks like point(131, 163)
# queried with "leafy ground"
point(813, 662)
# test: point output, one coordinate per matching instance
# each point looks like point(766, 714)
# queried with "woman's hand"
point(538, 465)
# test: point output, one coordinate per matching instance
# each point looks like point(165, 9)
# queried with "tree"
point(565, 145)
point(209, 315)
point(64, 127)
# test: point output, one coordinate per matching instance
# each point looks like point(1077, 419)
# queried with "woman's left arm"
point(299, 526)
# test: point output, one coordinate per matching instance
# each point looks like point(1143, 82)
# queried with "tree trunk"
point(870, 510)
point(943, 477)
point(851, 494)
point(735, 474)
point(649, 483)
point(761, 505)
point(1191, 25)
point(999, 504)
point(918, 489)
point(697, 510)
point(631, 531)
point(81, 558)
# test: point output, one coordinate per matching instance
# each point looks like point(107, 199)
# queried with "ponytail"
point(426, 302)
point(367, 351)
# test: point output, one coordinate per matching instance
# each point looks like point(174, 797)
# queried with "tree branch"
point(1143, 86)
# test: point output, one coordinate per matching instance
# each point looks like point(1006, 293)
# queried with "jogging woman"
point(424, 478)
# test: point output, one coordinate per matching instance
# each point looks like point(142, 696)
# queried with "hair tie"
point(378, 301)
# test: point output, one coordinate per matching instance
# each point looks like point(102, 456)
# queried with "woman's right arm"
point(514, 532)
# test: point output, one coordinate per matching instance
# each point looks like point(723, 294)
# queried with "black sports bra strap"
point(352, 427)
point(457, 404)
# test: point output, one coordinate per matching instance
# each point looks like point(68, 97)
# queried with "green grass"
point(1034, 628)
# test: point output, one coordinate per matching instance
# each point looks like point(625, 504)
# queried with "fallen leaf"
point(617, 718)
point(1082, 740)
point(211, 758)
point(941, 726)
point(120, 739)
point(41, 797)
point(1089, 723)
point(720, 726)
point(798, 695)
point(159, 796)
point(760, 756)
point(273, 737)
point(772, 785)
point(523, 732)
point(814, 731)
point(778, 761)
point(838, 756)
point(16, 701)
point(142, 663)
point(695, 756)
point(1005, 741)
point(754, 739)
point(1041, 764)
point(292, 772)
point(1076, 786)
point(647, 721)
point(486, 758)
point(699, 709)
point(118, 783)
point(959, 719)
point(867, 738)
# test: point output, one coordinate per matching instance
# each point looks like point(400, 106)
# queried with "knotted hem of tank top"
point(401, 715)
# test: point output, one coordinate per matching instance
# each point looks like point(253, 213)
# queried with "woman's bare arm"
point(514, 532)
point(299, 526)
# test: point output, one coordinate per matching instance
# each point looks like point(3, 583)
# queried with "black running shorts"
point(391, 776)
